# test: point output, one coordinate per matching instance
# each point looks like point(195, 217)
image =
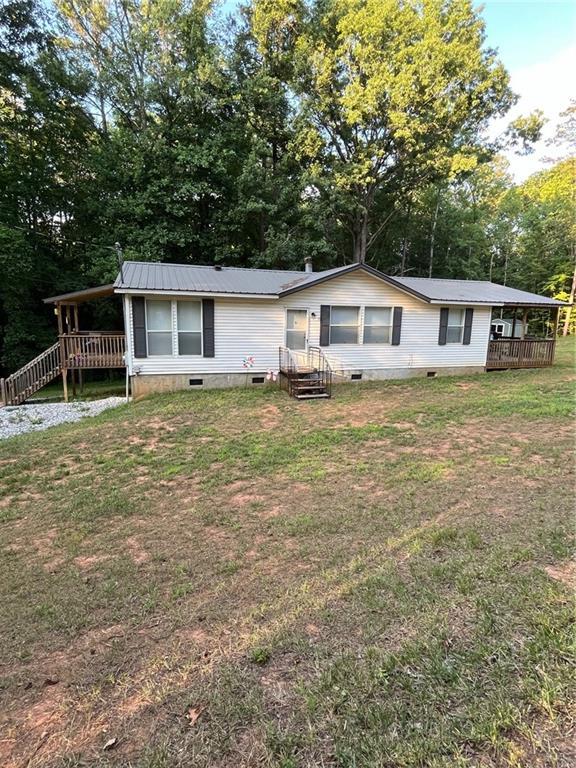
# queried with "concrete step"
point(319, 395)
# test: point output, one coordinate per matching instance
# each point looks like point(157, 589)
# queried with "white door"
point(296, 328)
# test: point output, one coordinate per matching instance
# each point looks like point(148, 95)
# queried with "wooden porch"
point(92, 349)
point(74, 352)
point(520, 353)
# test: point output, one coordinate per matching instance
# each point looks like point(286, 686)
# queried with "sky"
point(536, 41)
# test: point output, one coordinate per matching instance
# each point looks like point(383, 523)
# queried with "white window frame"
point(460, 326)
point(365, 325)
point(174, 346)
point(148, 331)
point(297, 309)
point(342, 325)
point(177, 331)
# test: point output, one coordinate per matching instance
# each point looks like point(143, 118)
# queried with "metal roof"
point(77, 297)
point(189, 278)
point(150, 276)
point(473, 292)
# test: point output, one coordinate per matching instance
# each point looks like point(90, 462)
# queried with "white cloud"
point(549, 86)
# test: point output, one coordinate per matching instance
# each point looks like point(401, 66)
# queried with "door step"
point(312, 396)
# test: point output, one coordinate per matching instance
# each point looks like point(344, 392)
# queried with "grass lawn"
point(234, 579)
point(92, 390)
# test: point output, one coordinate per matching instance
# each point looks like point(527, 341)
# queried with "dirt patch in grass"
point(564, 573)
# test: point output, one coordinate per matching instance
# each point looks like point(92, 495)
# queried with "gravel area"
point(18, 419)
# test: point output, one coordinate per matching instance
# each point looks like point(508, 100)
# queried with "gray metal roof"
point(472, 291)
point(151, 276)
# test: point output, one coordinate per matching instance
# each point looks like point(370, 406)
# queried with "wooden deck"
point(520, 353)
point(72, 352)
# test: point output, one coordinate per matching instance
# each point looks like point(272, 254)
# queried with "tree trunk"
point(405, 241)
point(566, 328)
point(361, 237)
point(433, 234)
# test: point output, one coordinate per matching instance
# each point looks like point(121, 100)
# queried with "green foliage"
point(331, 129)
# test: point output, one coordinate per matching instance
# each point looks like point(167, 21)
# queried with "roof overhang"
point(78, 297)
point(160, 292)
point(536, 305)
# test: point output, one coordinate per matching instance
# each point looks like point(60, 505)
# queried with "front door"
point(296, 328)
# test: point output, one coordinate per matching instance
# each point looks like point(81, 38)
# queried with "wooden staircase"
point(22, 384)
point(305, 374)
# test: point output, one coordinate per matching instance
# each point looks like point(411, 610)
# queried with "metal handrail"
point(294, 364)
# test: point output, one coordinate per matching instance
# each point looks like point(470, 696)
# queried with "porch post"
point(59, 316)
point(513, 334)
point(556, 320)
point(524, 323)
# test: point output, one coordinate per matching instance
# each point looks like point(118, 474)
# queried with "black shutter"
point(324, 325)
point(396, 326)
point(208, 327)
point(468, 325)
point(443, 325)
point(139, 326)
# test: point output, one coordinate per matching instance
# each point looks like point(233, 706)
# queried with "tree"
point(390, 95)
point(45, 134)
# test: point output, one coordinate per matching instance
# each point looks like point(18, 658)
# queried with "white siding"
point(256, 327)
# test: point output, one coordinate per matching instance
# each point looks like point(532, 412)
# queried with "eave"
point(215, 294)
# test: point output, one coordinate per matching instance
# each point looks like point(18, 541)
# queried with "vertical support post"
point(556, 321)
point(80, 380)
point(65, 383)
point(524, 323)
point(73, 377)
point(513, 334)
point(59, 316)
point(76, 323)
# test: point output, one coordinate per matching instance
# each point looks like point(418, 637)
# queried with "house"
point(189, 327)
point(193, 326)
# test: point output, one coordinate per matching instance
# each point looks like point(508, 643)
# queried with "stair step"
point(312, 397)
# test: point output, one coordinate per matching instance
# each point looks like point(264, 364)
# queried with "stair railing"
point(31, 377)
point(293, 361)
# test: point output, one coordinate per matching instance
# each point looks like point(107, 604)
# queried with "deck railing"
point(520, 353)
point(92, 349)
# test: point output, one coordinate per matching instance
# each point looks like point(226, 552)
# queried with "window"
point(189, 318)
point(377, 325)
point(296, 328)
point(344, 325)
point(159, 327)
point(455, 329)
